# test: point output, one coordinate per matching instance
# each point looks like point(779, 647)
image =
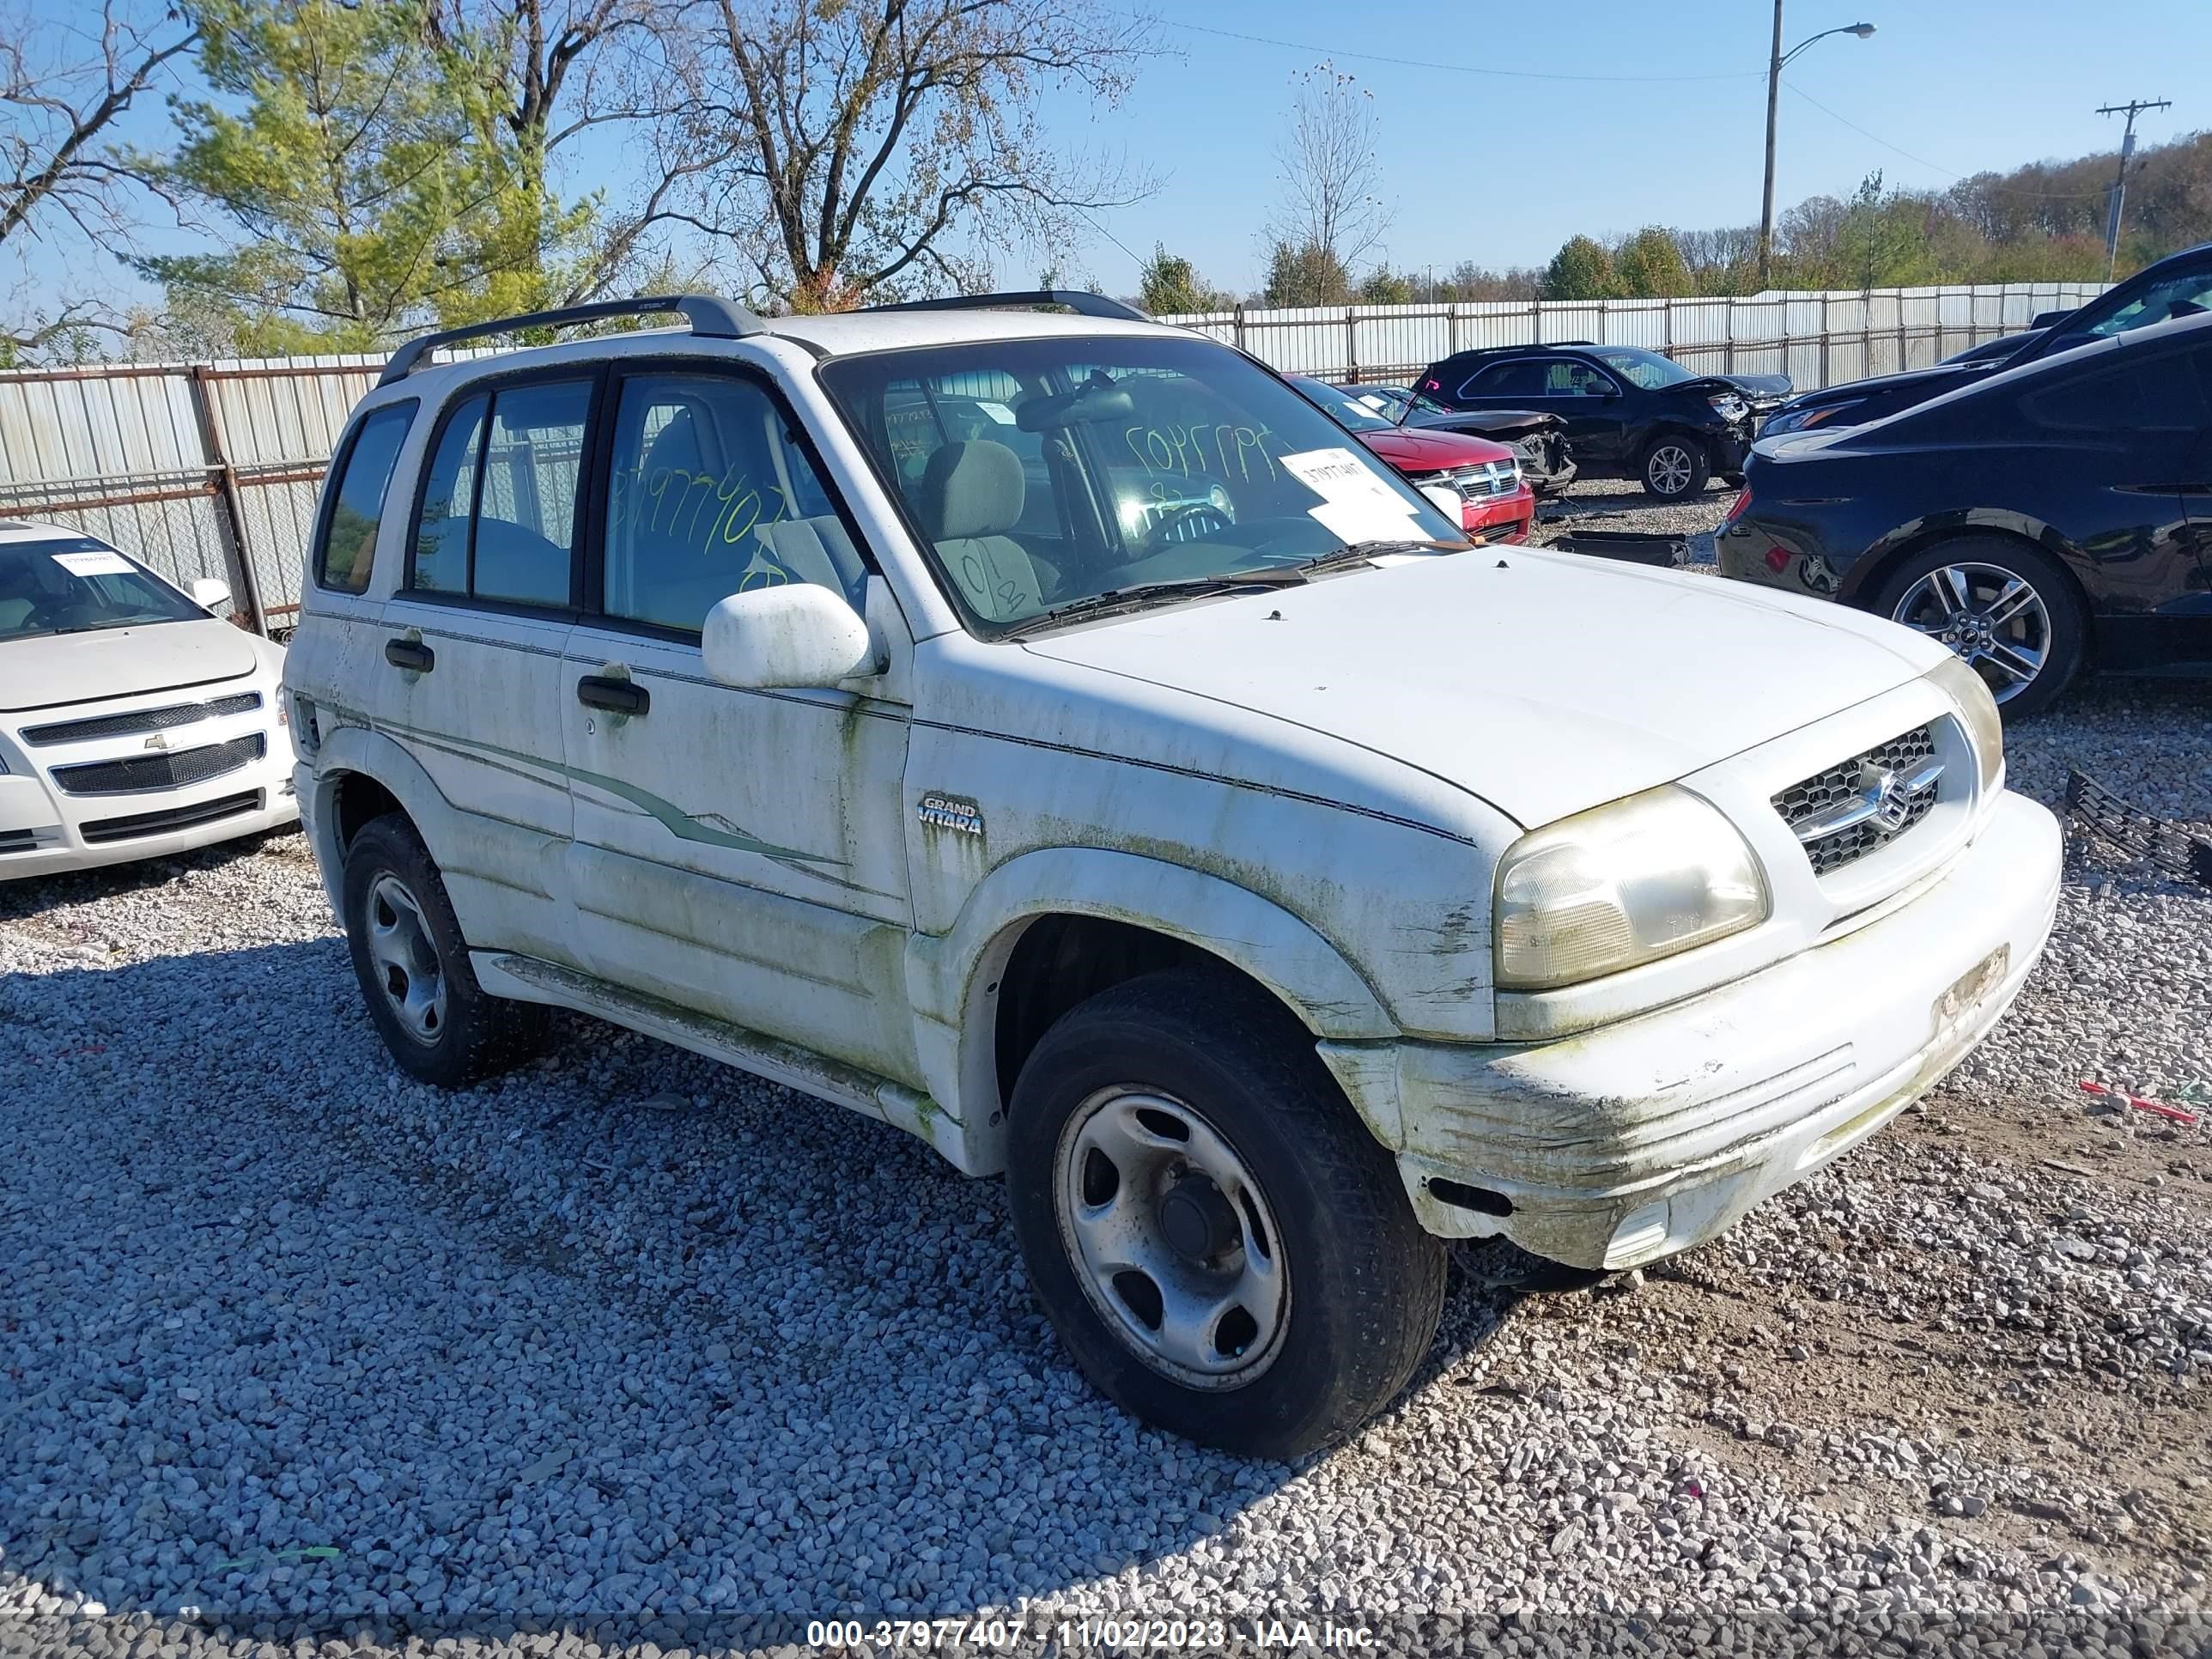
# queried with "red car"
point(1494, 501)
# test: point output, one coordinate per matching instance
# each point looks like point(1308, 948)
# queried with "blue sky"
point(1500, 168)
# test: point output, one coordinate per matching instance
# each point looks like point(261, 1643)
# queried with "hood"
point(122, 662)
point(1542, 683)
point(1496, 422)
point(1760, 388)
point(1410, 450)
point(1939, 377)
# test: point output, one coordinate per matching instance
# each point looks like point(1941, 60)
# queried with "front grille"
point(160, 771)
point(172, 818)
point(1842, 814)
point(1482, 482)
point(143, 719)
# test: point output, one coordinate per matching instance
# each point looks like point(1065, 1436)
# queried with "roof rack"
point(1086, 305)
point(709, 315)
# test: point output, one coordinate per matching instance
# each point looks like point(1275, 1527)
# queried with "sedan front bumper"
point(1626, 1144)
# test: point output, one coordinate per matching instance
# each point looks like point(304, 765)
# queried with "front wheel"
point(1223, 1248)
point(2006, 609)
point(1674, 467)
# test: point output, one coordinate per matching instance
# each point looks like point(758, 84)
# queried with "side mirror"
point(211, 595)
point(2049, 318)
point(797, 633)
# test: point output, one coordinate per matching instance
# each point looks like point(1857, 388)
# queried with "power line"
point(2008, 190)
point(1431, 63)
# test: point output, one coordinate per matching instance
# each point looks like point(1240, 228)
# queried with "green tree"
point(1386, 287)
point(1650, 265)
point(1169, 285)
point(1306, 274)
point(1581, 270)
point(356, 174)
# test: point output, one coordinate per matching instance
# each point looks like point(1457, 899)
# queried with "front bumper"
point(44, 829)
point(1637, 1140)
point(1500, 517)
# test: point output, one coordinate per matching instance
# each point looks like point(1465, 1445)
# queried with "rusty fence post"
point(1237, 328)
point(227, 491)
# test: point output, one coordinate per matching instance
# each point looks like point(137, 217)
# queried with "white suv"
point(1052, 735)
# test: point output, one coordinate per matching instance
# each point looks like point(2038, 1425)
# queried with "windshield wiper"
point(1139, 594)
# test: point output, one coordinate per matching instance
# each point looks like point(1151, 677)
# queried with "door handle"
point(410, 654)
point(618, 696)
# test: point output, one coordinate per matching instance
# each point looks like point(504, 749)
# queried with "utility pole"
point(1766, 196)
point(1775, 65)
point(2130, 109)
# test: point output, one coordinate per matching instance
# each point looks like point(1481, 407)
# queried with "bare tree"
point(842, 150)
point(65, 82)
point(550, 71)
point(1332, 211)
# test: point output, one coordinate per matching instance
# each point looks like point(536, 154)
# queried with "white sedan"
point(133, 721)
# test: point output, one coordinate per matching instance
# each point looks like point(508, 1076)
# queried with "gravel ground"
point(624, 1345)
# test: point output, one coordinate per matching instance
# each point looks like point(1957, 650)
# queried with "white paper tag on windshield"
point(998, 412)
point(93, 562)
point(1356, 505)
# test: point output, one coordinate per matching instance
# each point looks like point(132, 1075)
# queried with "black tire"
point(1673, 467)
point(1989, 561)
point(1362, 1284)
point(465, 1034)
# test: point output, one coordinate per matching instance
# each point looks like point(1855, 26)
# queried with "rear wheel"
point(2006, 609)
point(413, 969)
point(1223, 1248)
point(1675, 466)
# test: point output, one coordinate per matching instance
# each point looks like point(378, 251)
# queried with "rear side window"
point(358, 483)
point(497, 519)
point(1524, 379)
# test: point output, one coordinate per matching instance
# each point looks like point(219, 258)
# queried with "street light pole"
point(1775, 65)
point(1766, 196)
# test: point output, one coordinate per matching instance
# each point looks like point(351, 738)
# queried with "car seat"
point(971, 495)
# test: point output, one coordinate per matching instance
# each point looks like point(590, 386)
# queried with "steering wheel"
point(1214, 512)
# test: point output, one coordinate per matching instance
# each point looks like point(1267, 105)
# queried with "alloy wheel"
point(1668, 470)
point(1991, 617)
point(406, 958)
point(1171, 1238)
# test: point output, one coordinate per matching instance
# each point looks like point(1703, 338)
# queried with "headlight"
point(1728, 405)
point(1621, 884)
point(1803, 420)
point(1978, 712)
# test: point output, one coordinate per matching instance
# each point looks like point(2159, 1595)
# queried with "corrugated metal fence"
point(1816, 339)
point(211, 469)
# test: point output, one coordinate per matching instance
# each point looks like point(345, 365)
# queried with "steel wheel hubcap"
point(1989, 617)
point(406, 959)
point(1170, 1238)
point(1669, 471)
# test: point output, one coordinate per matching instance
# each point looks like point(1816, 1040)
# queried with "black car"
point(2179, 285)
point(1547, 460)
point(1630, 413)
point(2038, 521)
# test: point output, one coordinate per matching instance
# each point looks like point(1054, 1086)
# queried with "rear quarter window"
point(353, 503)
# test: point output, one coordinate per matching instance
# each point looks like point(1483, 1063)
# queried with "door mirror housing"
point(211, 595)
point(794, 634)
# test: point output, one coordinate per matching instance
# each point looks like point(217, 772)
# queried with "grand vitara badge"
point(950, 813)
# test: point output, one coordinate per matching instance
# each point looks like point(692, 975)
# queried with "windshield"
point(75, 584)
point(1347, 410)
point(1044, 472)
point(1647, 369)
point(2187, 295)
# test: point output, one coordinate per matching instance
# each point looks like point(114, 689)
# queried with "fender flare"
point(953, 977)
